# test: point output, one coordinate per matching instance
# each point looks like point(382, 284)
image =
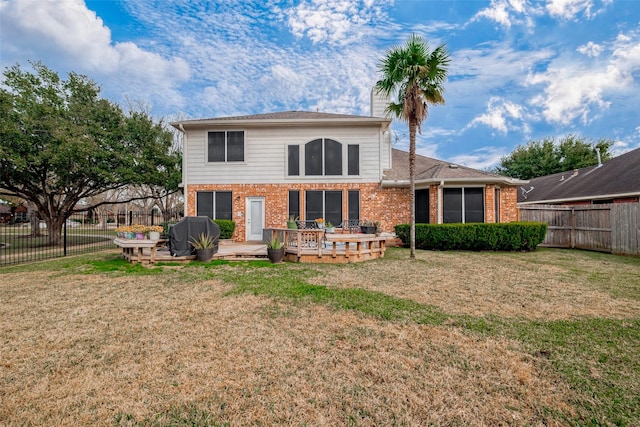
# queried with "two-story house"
point(259, 170)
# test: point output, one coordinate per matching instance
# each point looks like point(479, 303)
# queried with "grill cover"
point(189, 228)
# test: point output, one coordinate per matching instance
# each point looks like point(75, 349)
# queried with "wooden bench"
point(133, 250)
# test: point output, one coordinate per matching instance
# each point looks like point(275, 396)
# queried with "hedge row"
point(227, 227)
point(512, 236)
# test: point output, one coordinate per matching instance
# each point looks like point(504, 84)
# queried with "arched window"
point(323, 157)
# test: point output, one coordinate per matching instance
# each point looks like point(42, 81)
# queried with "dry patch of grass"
point(543, 285)
point(101, 342)
point(103, 349)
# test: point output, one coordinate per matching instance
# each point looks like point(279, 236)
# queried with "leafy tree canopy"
point(62, 143)
point(553, 155)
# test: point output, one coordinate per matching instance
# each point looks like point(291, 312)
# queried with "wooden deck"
point(306, 246)
point(316, 246)
point(153, 251)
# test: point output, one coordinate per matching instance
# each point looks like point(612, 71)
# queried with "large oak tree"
point(62, 143)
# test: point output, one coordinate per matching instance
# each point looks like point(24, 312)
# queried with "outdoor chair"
point(351, 226)
point(306, 224)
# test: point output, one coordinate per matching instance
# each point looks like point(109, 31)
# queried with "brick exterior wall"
point(389, 206)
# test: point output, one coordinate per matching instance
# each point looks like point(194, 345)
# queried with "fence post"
point(64, 237)
point(572, 232)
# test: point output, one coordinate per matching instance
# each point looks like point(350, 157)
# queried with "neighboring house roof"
point(432, 171)
point(284, 117)
point(615, 178)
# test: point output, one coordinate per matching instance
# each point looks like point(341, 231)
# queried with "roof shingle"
point(618, 176)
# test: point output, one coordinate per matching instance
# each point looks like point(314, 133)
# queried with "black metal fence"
point(26, 239)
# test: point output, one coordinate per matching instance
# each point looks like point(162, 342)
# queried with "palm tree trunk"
point(412, 186)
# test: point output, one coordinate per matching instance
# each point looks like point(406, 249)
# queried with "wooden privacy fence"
point(611, 228)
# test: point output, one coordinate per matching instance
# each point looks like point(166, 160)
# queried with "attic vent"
point(453, 166)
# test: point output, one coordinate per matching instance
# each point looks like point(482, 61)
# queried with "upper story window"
point(225, 146)
point(323, 157)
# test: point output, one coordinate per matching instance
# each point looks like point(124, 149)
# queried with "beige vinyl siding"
point(265, 159)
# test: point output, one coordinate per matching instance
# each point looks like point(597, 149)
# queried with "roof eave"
point(361, 121)
point(445, 181)
point(582, 198)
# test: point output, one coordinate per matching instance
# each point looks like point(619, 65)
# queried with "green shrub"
point(227, 227)
point(512, 236)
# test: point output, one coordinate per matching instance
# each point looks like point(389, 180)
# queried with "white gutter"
point(364, 120)
point(454, 181)
point(583, 198)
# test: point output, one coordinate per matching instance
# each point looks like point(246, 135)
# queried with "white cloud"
point(66, 33)
point(482, 158)
point(582, 90)
point(569, 9)
point(333, 21)
point(590, 49)
point(501, 115)
point(516, 12)
point(509, 12)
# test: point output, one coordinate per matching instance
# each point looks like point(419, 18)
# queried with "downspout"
point(184, 169)
point(440, 189)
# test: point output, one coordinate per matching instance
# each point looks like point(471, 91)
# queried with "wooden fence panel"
point(625, 223)
point(592, 227)
point(607, 228)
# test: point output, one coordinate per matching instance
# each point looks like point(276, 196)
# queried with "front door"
point(255, 218)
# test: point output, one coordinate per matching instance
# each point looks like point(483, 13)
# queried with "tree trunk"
point(54, 228)
point(412, 187)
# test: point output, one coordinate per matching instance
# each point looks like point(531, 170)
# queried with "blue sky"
point(521, 70)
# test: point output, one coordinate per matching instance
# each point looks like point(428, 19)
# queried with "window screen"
point(353, 160)
point(215, 147)
point(333, 207)
point(313, 157)
point(314, 205)
point(223, 206)
point(473, 205)
point(354, 205)
point(204, 203)
point(332, 157)
point(214, 204)
point(294, 160)
point(235, 146)
point(294, 203)
point(452, 205)
point(422, 206)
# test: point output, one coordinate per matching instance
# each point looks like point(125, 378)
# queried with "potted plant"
point(330, 227)
point(368, 227)
point(275, 250)
point(291, 222)
point(320, 222)
point(140, 231)
point(205, 246)
point(154, 232)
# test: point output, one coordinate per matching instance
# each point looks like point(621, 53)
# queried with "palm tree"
point(417, 76)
